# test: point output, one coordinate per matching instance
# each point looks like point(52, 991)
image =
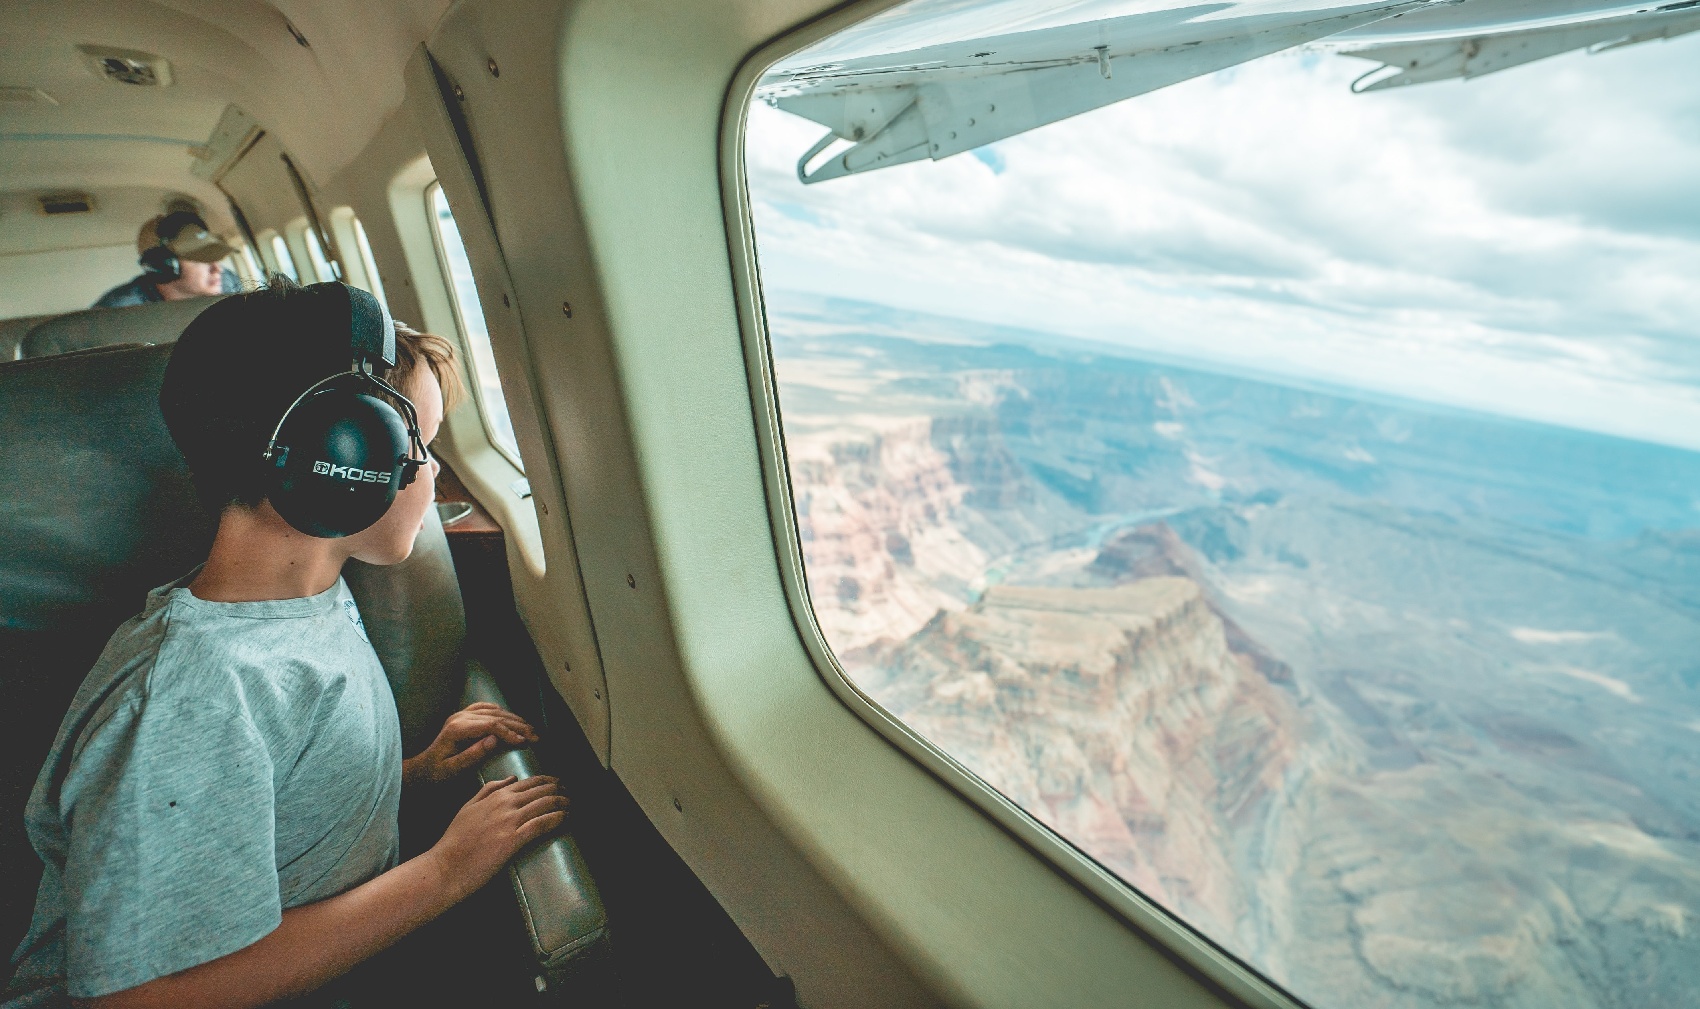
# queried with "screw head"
point(567, 309)
point(495, 71)
point(630, 581)
point(459, 94)
point(677, 807)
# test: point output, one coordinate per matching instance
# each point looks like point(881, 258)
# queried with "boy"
point(217, 817)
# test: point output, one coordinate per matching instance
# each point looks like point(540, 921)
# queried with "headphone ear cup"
point(336, 468)
point(162, 263)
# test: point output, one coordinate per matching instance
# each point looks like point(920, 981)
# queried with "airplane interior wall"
point(62, 280)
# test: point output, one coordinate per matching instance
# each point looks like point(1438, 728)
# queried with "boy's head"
point(241, 364)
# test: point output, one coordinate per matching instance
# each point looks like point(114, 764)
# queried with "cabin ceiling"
point(131, 145)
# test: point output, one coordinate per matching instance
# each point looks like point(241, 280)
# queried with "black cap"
point(239, 366)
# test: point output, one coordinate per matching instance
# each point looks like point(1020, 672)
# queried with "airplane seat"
point(13, 331)
point(160, 322)
point(96, 508)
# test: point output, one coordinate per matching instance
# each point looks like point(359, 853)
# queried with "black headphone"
point(340, 454)
point(161, 263)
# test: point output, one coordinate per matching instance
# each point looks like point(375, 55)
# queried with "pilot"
point(179, 258)
point(218, 815)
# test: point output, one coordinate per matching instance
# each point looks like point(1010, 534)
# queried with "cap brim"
point(199, 248)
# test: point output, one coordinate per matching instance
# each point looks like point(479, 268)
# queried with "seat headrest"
point(160, 322)
point(96, 506)
point(13, 331)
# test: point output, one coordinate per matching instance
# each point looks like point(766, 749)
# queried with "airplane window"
point(323, 268)
point(369, 264)
point(284, 261)
point(470, 314)
point(1272, 461)
point(246, 266)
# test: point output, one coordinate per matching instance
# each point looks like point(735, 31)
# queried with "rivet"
point(631, 582)
point(567, 309)
point(598, 694)
point(459, 94)
point(677, 807)
point(495, 71)
point(543, 505)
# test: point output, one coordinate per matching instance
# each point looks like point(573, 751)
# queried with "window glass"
point(1271, 462)
point(246, 266)
point(285, 262)
point(470, 314)
point(369, 264)
point(323, 268)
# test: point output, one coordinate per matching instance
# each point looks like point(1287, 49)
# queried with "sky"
point(1526, 243)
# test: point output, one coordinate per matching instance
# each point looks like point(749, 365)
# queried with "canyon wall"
point(1121, 717)
point(1289, 703)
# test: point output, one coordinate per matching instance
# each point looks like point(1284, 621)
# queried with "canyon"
point(1397, 705)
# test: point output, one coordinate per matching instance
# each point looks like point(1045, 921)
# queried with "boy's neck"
point(256, 556)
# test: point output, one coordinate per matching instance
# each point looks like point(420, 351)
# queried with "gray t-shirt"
point(220, 763)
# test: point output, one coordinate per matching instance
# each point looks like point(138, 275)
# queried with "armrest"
point(561, 905)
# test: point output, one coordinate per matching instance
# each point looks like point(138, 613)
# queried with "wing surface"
point(942, 100)
point(1475, 55)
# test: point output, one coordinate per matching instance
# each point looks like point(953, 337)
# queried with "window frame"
point(459, 312)
point(1223, 969)
point(295, 239)
point(270, 241)
point(310, 239)
point(246, 265)
point(362, 267)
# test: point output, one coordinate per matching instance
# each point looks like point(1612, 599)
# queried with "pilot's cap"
point(185, 234)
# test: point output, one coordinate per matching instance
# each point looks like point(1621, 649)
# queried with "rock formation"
point(1121, 717)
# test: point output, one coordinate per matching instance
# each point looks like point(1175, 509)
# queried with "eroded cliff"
point(1122, 717)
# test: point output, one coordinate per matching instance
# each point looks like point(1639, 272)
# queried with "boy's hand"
point(469, 736)
point(502, 818)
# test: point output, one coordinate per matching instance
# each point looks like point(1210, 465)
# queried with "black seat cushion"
point(95, 509)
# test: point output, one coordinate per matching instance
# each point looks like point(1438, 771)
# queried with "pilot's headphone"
point(340, 453)
point(160, 263)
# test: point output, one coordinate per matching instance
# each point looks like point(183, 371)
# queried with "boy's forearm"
point(314, 944)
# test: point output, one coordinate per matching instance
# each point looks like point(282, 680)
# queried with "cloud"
point(1524, 243)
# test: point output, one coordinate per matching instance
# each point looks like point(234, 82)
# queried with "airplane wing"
point(1478, 54)
point(942, 100)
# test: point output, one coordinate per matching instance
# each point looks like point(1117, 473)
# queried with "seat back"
point(13, 331)
point(96, 508)
point(160, 322)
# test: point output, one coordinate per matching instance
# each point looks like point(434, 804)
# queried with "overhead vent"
point(26, 96)
point(129, 66)
point(66, 203)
